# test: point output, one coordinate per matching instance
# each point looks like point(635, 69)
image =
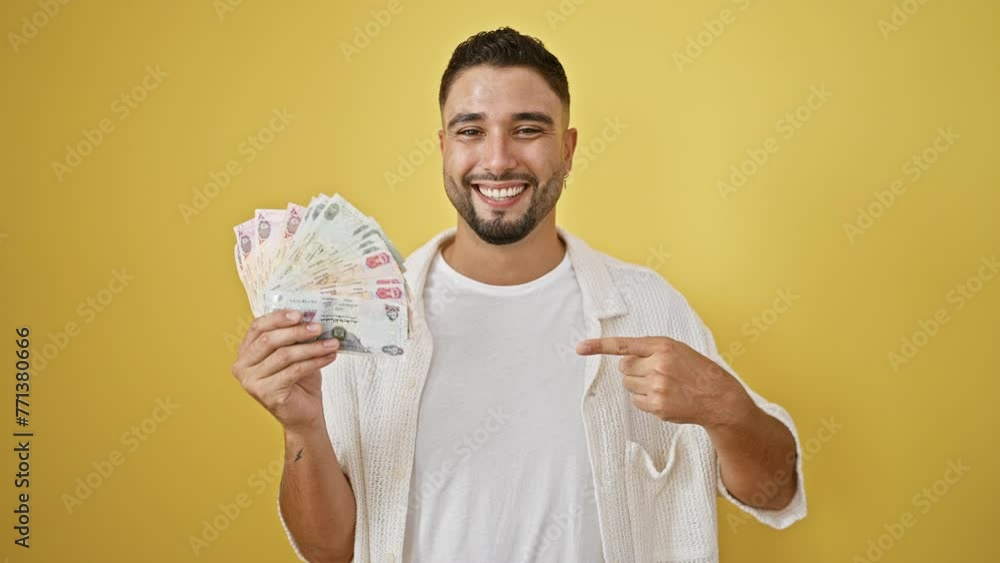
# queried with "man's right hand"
point(282, 374)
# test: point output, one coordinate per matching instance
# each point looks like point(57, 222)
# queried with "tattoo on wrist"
point(298, 455)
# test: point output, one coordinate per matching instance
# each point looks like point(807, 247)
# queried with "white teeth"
point(501, 193)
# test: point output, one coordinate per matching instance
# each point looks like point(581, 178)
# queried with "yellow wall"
point(649, 195)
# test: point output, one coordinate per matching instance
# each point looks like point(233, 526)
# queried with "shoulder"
point(637, 281)
point(653, 304)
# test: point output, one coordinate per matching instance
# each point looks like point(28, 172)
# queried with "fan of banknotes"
point(333, 263)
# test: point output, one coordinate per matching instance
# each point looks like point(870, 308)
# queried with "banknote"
point(333, 263)
point(364, 326)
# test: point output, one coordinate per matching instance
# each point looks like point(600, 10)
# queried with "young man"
point(555, 405)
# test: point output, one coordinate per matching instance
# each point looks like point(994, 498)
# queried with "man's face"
point(506, 150)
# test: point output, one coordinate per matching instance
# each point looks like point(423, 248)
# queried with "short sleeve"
point(340, 409)
point(796, 509)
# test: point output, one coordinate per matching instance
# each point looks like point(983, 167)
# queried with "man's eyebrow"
point(534, 116)
point(538, 116)
point(465, 118)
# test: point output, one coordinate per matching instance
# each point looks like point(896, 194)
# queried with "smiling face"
point(506, 150)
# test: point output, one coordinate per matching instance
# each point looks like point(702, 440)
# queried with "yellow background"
point(651, 191)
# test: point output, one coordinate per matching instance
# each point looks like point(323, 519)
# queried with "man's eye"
point(466, 132)
point(528, 130)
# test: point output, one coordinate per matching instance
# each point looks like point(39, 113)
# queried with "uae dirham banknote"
point(335, 265)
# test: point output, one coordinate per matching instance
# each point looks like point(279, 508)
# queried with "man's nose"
point(498, 155)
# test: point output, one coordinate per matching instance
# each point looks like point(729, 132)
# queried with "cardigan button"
point(389, 558)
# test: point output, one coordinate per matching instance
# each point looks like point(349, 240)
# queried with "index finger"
point(619, 346)
point(278, 319)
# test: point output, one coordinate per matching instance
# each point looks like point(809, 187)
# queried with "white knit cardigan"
point(655, 482)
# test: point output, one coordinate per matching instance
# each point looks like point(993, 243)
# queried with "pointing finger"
point(621, 346)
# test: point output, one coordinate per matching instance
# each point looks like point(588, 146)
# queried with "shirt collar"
point(601, 299)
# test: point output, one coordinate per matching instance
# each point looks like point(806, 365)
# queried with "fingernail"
point(314, 327)
point(292, 315)
point(331, 343)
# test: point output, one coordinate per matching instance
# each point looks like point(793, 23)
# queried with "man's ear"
point(441, 140)
point(569, 148)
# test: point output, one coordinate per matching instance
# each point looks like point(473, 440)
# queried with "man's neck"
point(508, 264)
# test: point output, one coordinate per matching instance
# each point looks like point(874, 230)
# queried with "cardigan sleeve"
point(340, 409)
point(796, 509)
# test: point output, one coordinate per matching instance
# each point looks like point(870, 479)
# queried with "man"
point(555, 405)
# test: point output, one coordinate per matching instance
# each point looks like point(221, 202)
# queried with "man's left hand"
point(673, 382)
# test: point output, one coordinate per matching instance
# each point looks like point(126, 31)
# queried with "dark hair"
point(504, 48)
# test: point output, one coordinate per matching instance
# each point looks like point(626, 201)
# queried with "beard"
point(498, 229)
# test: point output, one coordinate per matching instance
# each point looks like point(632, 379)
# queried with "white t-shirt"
point(501, 472)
